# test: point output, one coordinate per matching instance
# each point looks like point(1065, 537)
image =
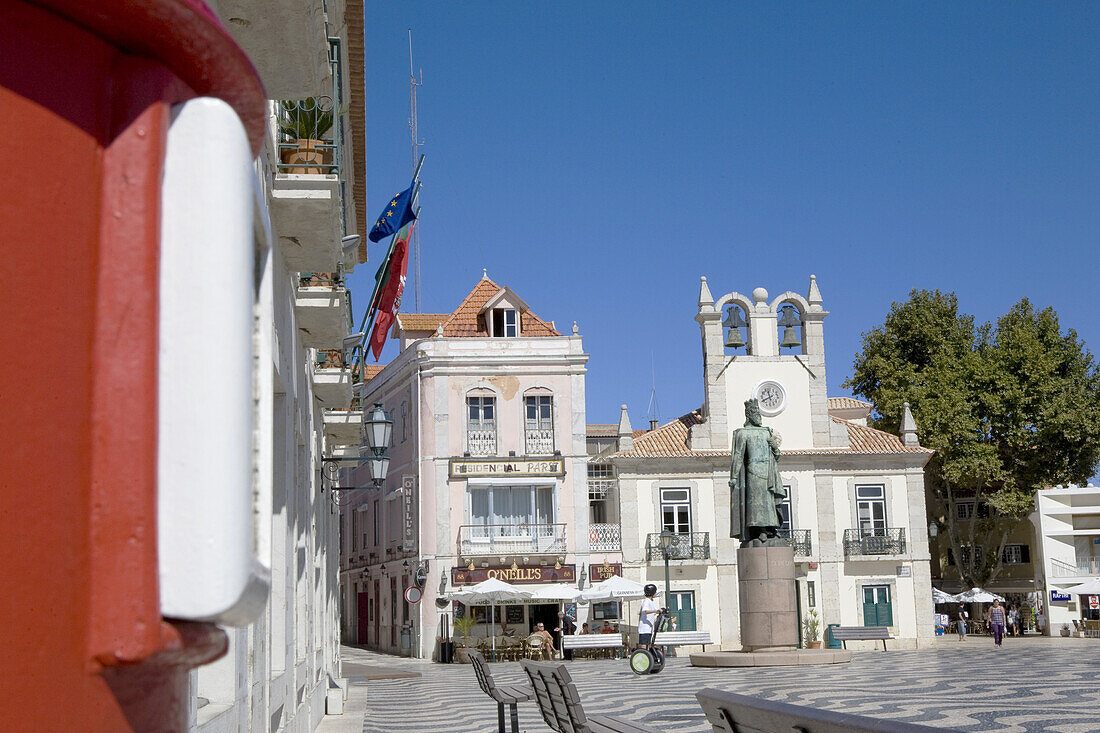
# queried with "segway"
point(652, 660)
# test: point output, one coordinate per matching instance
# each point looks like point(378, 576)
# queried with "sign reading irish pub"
point(517, 575)
point(605, 571)
point(478, 467)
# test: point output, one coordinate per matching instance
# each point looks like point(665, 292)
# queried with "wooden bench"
point(681, 638)
point(729, 712)
point(560, 703)
point(504, 694)
point(592, 641)
point(849, 633)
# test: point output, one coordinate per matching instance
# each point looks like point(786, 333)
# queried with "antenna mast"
point(416, 143)
point(654, 410)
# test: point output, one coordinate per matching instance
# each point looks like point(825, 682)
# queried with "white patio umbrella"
point(938, 596)
point(555, 592)
point(977, 595)
point(491, 591)
point(1090, 587)
point(615, 588)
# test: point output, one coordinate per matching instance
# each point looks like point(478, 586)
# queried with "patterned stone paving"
point(1029, 685)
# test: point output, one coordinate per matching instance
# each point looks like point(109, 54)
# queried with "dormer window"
point(505, 323)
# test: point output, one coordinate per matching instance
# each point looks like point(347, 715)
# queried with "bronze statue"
point(755, 489)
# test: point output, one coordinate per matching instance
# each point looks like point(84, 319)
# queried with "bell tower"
point(770, 349)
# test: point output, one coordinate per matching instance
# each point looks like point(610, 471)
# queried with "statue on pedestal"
point(755, 489)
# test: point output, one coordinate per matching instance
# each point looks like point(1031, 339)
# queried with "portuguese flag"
point(390, 284)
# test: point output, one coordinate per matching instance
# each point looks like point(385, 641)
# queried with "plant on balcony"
point(463, 626)
point(303, 126)
point(813, 629)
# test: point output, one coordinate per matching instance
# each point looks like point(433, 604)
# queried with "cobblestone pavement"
point(1031, 684)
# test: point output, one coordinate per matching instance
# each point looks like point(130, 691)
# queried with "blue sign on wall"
point(1057, 596)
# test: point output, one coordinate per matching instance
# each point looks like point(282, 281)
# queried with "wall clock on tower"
point(771, 396)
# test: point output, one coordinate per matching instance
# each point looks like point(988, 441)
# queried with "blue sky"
point(599, 157)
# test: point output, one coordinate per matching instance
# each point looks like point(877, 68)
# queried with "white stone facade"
point(483, 412)
point(857, 505)
point(280, 668)
point(1067, 530)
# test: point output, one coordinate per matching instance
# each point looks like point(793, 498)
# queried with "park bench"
point(729, 712)
point(503, 694)
point(860, 633)
point(682, 638)
point(560, 703)
point(592, 641)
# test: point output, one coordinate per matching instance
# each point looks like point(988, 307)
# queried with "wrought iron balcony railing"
point(539, 442)
point(881, 541)
point(800, 541)
point(604, 537)
point(511, 539)
point(320, 280)
point(482, 441)
point(311, 130)
point(687, 546)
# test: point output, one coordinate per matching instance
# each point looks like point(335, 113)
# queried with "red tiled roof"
point(602, 430)
point(465, 321)
point(369, 371)
point(671, 440)
point(419, 321)
point(847, 403)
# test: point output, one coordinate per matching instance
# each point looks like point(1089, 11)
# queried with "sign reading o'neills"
point(480, 467)
point(518, 575)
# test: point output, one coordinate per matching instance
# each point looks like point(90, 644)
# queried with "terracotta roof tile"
point(671, 440)
point(369, 371)
point(846, 403)
point(419, 321)
point(602, 430)
point(465, 321)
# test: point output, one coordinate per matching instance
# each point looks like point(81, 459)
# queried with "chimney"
point(652, 424)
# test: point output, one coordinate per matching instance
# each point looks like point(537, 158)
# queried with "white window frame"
point(871, 502)
point(790, 509)
point(1014, 554)
point(964, 510)
point(509, 322)
point(662, 503)
point(540, 423)
point(481, 401)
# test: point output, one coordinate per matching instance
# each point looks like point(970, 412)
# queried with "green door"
point(877, 610)
point(681, 609)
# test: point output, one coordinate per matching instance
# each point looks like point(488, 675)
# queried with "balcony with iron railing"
point(604, 537)
point(874, 542)
point(539, 442)
point(309, 200)
point(332, 379)
point(511, 539)
point(1084, 567)
point(687, 546)
point(481, 440)
point(800, 541)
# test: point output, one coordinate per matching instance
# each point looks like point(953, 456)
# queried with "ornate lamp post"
point(379, 430)
point(667, 538)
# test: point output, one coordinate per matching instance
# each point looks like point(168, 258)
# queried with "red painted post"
point(86, 90)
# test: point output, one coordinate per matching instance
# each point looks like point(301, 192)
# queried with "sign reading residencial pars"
point(473, 467)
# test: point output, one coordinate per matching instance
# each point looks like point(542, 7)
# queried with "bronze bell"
point(733, 339)
point(789, 318)
point(734, 319)
point(790, 338)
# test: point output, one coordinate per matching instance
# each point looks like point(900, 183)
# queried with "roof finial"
point(626, 433)
point(575, 329)
point(908, 427)
point(484, 273)
point(705, 298)
point(814, 296)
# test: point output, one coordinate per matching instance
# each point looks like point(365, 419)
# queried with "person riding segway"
point(649, 658)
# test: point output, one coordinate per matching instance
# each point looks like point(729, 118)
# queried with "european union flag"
point(398, 213)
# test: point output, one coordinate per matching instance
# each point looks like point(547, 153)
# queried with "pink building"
point(487, 479)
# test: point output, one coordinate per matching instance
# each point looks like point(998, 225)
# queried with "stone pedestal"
point(766, 589)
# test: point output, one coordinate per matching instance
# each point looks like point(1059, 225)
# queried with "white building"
point(283, 660)
point(487, 475)
point(1067, 530)
point(856, 505)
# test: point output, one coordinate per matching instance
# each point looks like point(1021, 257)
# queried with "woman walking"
point(997, 622)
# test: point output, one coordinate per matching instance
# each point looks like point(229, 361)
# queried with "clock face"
point(771, 396)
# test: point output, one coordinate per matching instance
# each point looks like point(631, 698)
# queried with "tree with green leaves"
point(1010, 408)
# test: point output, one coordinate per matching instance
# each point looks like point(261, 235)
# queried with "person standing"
point(960, 624)
point(997, 622)
point(1013, 621)
point(566, 626)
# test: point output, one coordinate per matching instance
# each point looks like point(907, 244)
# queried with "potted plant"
point(1065, 630)
point(302, 126)
point(463, 626)
point(813, 630)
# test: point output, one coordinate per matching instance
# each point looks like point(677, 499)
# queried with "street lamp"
point(933, 529)
point(667, 538)
point(583, 577)
point(379, 429)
